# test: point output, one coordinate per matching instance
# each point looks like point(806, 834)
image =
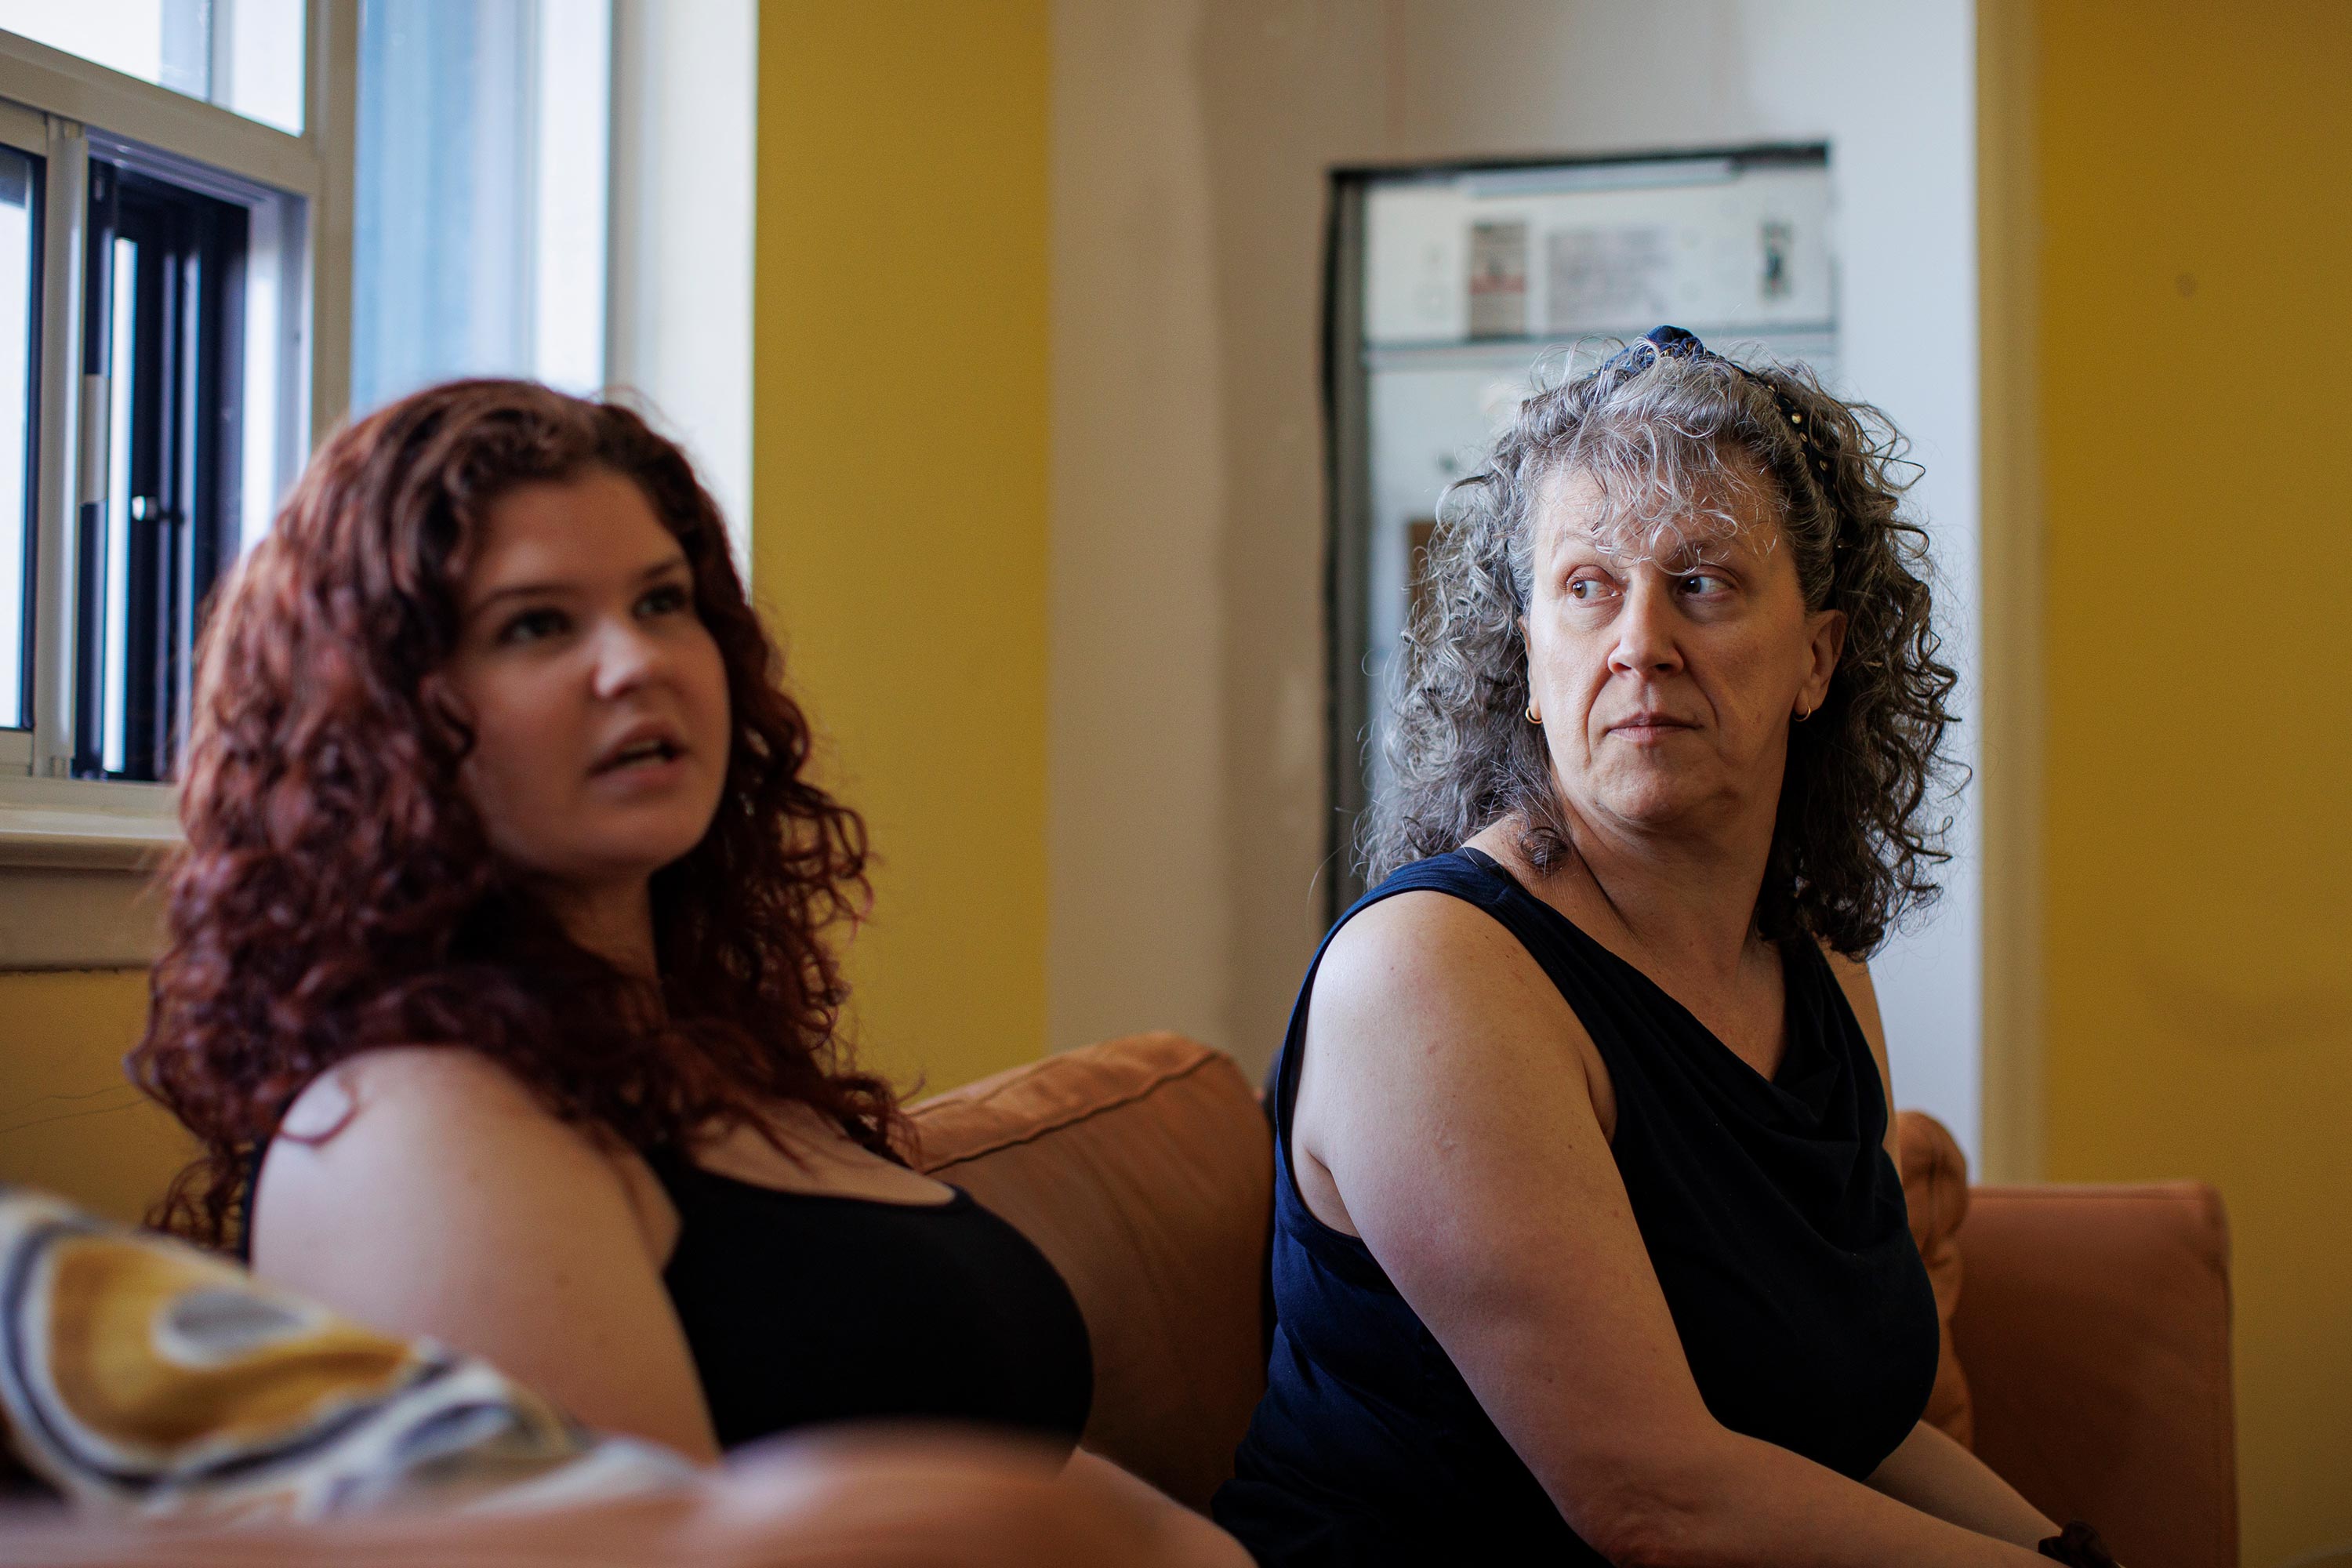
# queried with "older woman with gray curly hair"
point(1589, 1242)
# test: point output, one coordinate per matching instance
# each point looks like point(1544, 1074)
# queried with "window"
point(488, 119)
point(162, 264)
point(169, 310)
point(243, 55)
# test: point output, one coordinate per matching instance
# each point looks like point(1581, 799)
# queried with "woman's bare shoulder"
point(1425, 950)
point(1404, 924)
point(437, 1078)
point(428, 1192)
point(411, 1126)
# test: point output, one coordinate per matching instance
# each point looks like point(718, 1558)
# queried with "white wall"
point(1192, 141)
point(1139, 922)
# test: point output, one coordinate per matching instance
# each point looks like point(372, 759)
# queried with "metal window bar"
point(159, 371)
point(16, 744)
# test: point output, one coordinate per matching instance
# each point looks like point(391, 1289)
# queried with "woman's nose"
point(627, 656)
point(1646, 630)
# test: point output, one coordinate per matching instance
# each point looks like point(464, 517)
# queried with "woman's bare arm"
point(1935, 1475)
point(1445, 1095)
point(449, 1204)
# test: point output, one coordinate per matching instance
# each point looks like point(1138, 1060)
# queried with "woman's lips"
point(1650, 729)
point(640, 752)
point(641, 774)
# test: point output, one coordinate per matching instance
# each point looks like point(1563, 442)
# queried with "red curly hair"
point(337, 891)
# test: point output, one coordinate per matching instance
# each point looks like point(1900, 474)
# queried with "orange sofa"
point(2086, 1352)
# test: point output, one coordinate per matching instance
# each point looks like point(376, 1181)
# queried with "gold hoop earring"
point(1808, 712)
point(1532, 717)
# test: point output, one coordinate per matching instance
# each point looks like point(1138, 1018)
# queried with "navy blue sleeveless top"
point(1771, 1213)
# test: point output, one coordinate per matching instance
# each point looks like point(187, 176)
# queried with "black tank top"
point(803, 1309)
point(1771, 1213)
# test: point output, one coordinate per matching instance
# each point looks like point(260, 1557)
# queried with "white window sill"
point(75, 863)
point(85, 825)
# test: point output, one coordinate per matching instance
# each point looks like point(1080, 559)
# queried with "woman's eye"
point(668, 599)
point(1584, 590)
point(1701, 582)
point(533, 625)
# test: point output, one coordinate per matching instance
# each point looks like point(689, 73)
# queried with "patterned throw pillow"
point(140, 1376)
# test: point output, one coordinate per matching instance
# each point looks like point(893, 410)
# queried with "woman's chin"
point(616, 861)
point(650, 834)
point(1655, 806)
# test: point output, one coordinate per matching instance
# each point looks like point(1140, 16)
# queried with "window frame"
point(27, 133)
point(65, 108)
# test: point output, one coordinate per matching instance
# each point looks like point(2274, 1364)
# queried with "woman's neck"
point(1685, 901)
point(614, 921)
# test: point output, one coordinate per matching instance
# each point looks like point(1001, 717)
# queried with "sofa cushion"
point(1936, 1186)
point(2096, 1329)
point(1143, 1168)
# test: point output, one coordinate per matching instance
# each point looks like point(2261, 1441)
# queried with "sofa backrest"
point(1144, 1169)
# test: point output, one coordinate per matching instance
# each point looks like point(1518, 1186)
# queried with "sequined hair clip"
point(1674, 343)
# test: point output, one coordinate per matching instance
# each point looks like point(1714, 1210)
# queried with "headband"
point(1674, 343)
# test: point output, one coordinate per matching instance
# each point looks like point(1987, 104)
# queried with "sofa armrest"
point(838, 1498)
point(2094, 1323)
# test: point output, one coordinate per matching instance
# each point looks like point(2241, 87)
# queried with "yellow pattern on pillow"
point(139, 1375)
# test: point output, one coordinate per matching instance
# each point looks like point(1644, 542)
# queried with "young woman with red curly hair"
point(500, 989)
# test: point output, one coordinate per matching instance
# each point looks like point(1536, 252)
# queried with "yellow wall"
point(900, 413)
point(2196, 328)
point(70, 1123)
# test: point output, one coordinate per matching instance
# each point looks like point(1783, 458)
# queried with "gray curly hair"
point(1687, 448)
